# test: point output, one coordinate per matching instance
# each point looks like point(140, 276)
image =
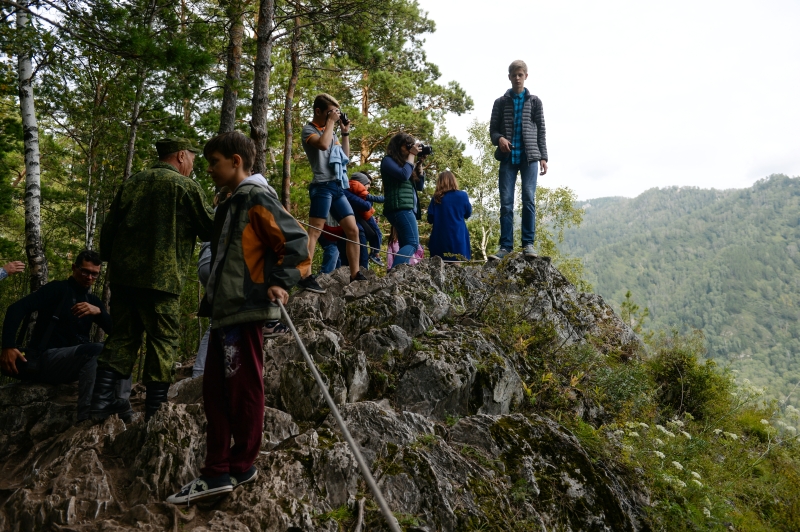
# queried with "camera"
point(424, 149)
point(343, 119)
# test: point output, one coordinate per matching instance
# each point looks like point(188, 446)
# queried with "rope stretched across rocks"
point(362, 464)
point(387, 253)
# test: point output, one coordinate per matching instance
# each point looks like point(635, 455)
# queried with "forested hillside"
point(724, 261)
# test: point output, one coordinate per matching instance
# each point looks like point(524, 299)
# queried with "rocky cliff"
point(429, 383)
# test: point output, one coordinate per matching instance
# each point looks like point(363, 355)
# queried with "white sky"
point(637, 94)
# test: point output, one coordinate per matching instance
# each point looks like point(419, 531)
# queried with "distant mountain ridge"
point(724, 261)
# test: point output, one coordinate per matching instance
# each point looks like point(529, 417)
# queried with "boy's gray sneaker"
point(202, 488)
point(529, 252)
point(502, 252)
point(310, 284)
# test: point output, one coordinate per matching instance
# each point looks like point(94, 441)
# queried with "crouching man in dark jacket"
point(60, 350)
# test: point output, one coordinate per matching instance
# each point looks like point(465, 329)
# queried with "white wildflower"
point(699, 484)
point(680, 483)
point(677, 466)
point(764, 422)
point(717, 431)
point(688, 436)
point(631, 424)
point(659, 454)
point(791, 430)
point(645, 426)
point(633, 434)
point(658, 442)
point(707, 512)
point(665, 431)
point(734, 394)
point(696, 475)
point(676, 422)
point(731, 435)
point(627, 448)
point(618, 433)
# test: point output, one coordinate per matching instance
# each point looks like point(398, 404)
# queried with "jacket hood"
point(261, 181)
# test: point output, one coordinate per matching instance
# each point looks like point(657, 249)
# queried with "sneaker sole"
point(251, 479)
point(214, 492)
point(275, 334)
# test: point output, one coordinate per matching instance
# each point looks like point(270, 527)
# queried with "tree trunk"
point(131, 148)
point(33, 230)
point(230, 96)
point(286, 186)
point(262, 70)
point(365, 151)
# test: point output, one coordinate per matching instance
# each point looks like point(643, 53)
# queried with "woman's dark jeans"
point(405, 223)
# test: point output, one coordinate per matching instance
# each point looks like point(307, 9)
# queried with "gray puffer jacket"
point(533, 131)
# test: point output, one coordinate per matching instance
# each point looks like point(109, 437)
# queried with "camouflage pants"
point(135, 311)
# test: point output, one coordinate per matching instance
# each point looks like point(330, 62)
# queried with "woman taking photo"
point(448, 212)
point(401, 181)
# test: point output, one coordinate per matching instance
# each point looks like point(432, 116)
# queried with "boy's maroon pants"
point(233, 393)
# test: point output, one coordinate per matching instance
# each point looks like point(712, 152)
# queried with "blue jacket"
point(449, 236)
point(339, 162)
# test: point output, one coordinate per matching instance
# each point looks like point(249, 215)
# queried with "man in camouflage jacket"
point(148, 239)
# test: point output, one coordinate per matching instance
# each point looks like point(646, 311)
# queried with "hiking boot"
point(359, 277)
point(273, 329)
point(377, 260)
point(237, 479)
point(502, 252)
point(157, 393)
point(202, 488)
point(529, 252)
point(105, 403)
point(310, 283)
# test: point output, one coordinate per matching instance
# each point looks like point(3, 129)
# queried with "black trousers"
point(69, 364)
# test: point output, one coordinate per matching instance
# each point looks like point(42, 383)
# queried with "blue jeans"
point(328, 198)
point(405, 222)
point(363, 255)
point(507, 181)
point(330, 254)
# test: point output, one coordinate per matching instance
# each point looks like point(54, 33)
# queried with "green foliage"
point(684, 383)
point(722, 261)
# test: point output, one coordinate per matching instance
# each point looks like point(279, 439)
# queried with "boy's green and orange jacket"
point(256, 244)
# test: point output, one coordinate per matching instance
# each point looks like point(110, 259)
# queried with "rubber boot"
point(156, 396)
point(104, 400)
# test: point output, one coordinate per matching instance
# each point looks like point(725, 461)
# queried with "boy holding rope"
point(258, 253)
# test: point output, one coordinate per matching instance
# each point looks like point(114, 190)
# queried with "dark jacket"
point(56, 298)
point(400, 191)
point(533, 131)
point(256, 244)
point(149, 233)
point(449, 235)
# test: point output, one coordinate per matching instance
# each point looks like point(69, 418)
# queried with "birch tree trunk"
point(365, 150)
point(131, 148)
point(230, 95)
point(33, 230)
point(262, 70)
point(286, 185)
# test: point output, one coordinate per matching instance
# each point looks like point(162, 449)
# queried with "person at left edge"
point(148, 239)
point(60, 350)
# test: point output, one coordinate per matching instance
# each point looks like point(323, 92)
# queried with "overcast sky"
point(637, 94)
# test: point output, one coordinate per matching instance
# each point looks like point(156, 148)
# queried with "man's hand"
point(82, 309)
point(8, 360)
point(504, 145)
point(345, 128)
point(333, 117)
point(543, 166)
point(14, 267)
point(275, 293)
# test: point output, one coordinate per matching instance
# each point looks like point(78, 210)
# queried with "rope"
point(362, 464)
point(387, 253)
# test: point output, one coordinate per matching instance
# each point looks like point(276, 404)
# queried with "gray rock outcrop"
point(427, 388)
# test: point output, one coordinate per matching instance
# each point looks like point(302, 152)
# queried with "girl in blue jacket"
point(448, 212)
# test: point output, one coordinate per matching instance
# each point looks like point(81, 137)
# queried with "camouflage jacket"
point(149, 233)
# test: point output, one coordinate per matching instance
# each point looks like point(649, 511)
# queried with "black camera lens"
point(343, 119)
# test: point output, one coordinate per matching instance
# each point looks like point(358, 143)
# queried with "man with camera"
point(517, 129)
point(328, 159)
point(60, 350)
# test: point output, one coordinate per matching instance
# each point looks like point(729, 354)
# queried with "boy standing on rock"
point(517, 129)
point(258, 253)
